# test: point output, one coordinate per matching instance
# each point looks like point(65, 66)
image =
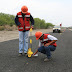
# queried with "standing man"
point(47, 43)
point(23, 20)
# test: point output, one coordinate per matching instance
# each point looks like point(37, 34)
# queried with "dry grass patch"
point(8, 28)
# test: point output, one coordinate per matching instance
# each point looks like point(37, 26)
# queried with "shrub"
point(1, 28)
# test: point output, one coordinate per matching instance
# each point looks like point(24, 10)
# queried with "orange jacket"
point(45, 40)
point(25, 24)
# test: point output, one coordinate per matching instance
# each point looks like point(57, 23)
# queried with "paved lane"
point(61, 62)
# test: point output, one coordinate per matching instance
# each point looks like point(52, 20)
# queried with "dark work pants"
point(47, 50)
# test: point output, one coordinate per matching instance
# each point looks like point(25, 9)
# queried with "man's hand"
point(32, 27)
point(33, 53)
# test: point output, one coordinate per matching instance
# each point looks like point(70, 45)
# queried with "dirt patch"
point(9, 35)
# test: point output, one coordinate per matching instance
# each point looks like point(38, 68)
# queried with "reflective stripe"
point(20, 27)
point(45, 39)
point(27, 27)
point(19, 15)
point(27, 15)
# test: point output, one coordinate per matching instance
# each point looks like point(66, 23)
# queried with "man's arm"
point(52, 38)
point(35, 52)
point(32, 21)
point(16, 21)
point(47, 44)
point(38, 47)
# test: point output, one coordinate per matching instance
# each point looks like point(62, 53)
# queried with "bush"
point(7, 19)
point(1, 28)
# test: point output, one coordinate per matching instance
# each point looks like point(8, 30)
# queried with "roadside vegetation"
point(7, 23)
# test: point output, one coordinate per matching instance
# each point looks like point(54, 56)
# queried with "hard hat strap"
point(41, 36)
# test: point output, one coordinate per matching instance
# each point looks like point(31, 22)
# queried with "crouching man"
point(47, 43)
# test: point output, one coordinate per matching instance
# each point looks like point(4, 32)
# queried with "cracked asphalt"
point(61, 57)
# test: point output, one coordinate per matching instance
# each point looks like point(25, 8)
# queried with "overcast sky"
point(53, 11)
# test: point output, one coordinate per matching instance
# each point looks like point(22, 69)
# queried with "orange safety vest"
point(25, 24)
point(45, 40)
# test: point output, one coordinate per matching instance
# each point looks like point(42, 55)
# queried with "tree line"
point(7, 19)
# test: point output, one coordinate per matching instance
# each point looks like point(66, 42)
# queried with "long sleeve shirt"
point(50, 37)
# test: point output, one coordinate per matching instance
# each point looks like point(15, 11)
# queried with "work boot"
point(47, 59)
point(20, 54)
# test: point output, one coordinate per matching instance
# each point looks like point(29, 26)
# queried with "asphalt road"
point(61, 62)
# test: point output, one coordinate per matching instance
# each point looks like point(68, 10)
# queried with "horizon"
point(52, 11)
